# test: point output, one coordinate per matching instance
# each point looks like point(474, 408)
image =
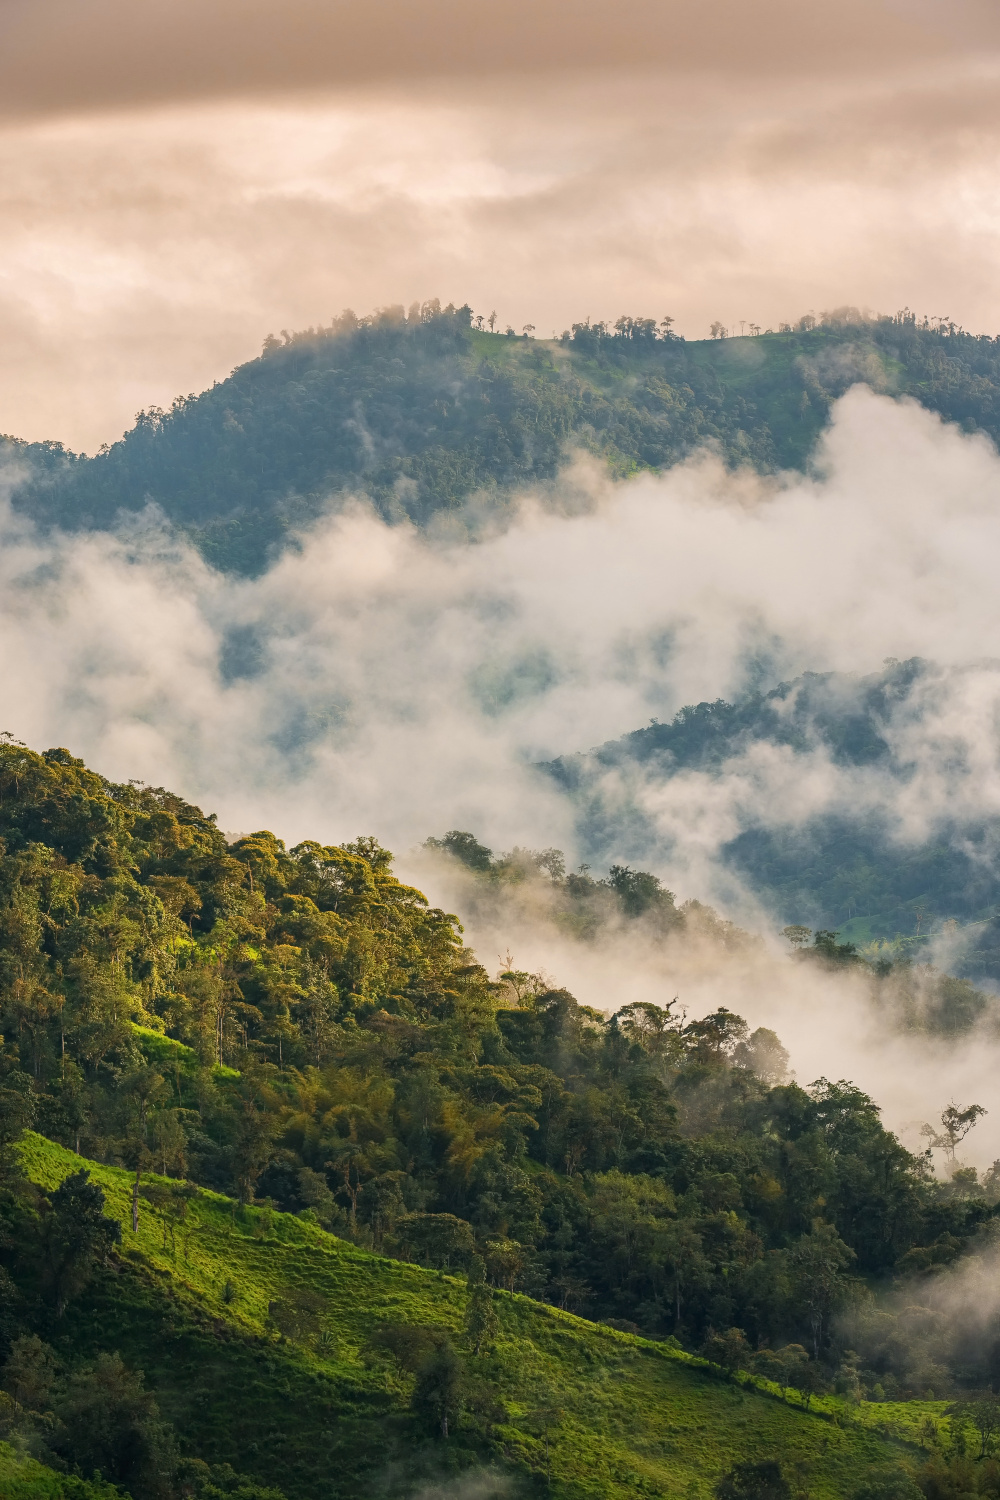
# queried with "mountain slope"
point(851, 860)
point(420, 414)
point(590, 1411)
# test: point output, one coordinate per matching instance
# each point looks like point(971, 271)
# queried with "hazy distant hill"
point(419, 414)
point(847, 868)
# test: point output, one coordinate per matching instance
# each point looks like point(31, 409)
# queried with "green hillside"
point(579, 1409)
point(418, 413)
point(336, 1129)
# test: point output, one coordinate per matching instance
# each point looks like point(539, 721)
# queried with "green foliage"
point(298, 1028)
point(749, 1481)
point(890, 1483)
point(981, 1411)
point(75, 1232)
point(25, 1478)
point(421, 411)
point(439, 1389)
point(600, 1412)
point(301, 1030)
point(110, 1424)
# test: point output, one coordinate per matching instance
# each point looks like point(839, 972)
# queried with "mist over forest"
point(499, 879)
point(431, 415)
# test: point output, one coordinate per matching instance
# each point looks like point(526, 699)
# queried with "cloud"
point(380, 680)
point(56, 55)
point(148, 250)
point(835, 1024)
point(393, 676)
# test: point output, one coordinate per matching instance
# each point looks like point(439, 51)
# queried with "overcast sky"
point(180, 178)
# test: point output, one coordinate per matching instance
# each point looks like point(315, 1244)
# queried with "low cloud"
point(379, 680)
point(147, 251)
point(377, 676)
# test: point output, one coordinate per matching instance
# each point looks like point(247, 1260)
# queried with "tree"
point(171, 1201)
point(30, 1372)
point(75, 1234)
point(464, 847)
point(111, 1423)
point(715, 1037)
point(955, 1126)
point(254, 1127)
point(818, 1261)
point(797, 935)
point(790, 1364)
point(436, 1239)
point(764, 1055)
point(298, 1314)
point(17, 1108)
point(481, 1322)
point(826, 948)
point(754, 1481)
point(729, 1350)
point(889, 1483)
point(684, 1261)
point(505, 1261)
point(982, 1410)
point(440, 1386)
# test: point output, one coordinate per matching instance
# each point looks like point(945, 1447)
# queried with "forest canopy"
point(299, 1029)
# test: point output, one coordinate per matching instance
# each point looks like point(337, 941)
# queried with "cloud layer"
point(58, 56)
point(383, 681)
point(146, 251)
point(400, 681)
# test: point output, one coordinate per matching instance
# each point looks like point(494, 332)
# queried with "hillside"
point(580, 1410)
point(332, 1118)
point(419, 414)
point(850, 865)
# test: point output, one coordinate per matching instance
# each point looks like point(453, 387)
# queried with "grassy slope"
point(23, 1478)
point(629, 1415)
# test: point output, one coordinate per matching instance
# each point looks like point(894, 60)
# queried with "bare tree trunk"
point(135, 1202)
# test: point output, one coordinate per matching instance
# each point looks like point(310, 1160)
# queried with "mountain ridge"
point(821, 870)
point(419, 413)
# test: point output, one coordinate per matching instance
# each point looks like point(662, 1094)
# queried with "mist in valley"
point(378, 680)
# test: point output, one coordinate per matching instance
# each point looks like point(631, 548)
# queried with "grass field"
point(589, 1411)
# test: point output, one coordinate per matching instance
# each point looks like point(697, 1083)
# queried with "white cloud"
point(383, 681)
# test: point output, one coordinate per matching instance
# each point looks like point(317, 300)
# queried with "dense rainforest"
point(298, 1026)
point(846, 868)
point(422, 412)
point(299, 1030)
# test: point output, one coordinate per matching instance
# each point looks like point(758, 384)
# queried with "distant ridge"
point(419, 413)
point(846, 869)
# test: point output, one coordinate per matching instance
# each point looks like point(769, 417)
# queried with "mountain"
point(850, 862)
point(419, 414)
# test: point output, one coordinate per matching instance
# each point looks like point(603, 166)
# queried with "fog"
point(378, 680)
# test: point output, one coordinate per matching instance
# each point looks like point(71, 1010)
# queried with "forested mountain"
point(850, 865)
point(421, 412)
point(299, 1030)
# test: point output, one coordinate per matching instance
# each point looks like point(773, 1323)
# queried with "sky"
point(179, 179)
